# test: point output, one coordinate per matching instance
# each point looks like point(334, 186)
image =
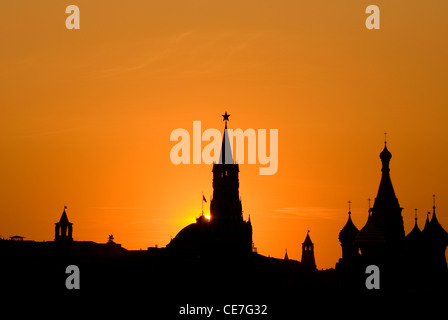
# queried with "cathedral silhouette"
point(420, 255)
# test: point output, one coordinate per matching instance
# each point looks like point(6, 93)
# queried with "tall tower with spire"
point(308, 261)
point(386, 211)
point(225, 207)
point(227, 232)
point(226, 213)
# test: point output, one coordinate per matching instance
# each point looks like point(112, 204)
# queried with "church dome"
point(192, 236)
point(349, 231)
point(385, 154)
point(188, 233)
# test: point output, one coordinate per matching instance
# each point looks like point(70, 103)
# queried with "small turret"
point(308, 261)
point(63, 229)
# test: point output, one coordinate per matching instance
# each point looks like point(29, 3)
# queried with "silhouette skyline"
point(214, 261)
point(227, 238)
point(104, 152)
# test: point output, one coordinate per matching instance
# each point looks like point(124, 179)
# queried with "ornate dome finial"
point(385, 157)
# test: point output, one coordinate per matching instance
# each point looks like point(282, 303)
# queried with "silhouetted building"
point(286, 254)
point(63, 229)
point(382, 241)
point(226, 231)
point(308, 261)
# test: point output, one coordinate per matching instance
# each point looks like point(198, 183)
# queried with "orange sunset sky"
point(86, 115)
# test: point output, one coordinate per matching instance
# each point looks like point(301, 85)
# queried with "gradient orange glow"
point(86, 115)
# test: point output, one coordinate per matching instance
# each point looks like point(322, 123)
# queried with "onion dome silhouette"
point(415, 234)
point(385, 155)
point(370, 234)
point(433, 231)
point(349, 231)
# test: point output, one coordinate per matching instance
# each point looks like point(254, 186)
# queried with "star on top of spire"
point(225, 116)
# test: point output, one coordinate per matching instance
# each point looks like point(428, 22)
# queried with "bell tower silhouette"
point(63, 229)
point(308, 261)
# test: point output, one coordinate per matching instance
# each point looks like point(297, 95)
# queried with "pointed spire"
point(434, 220)
point(414, 235)
point(308, 239)
point(415, 219)
point(226, 151)
point(64, 218)
point(427, 221)
point(433, 206)
point(286, 254)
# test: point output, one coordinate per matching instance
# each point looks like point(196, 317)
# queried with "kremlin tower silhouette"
point(308, 261)
point(226, 232)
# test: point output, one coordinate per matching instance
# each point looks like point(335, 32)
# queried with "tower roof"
point(308, 239)
point(225, 156)
point(64, 219)
point(425, 228)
